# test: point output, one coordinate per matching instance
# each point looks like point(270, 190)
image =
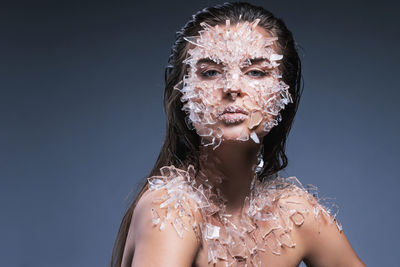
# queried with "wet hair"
point(181, 144)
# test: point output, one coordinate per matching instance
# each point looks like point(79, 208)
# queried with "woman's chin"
point(230, 134)
point(236, 133)
point(242, 133)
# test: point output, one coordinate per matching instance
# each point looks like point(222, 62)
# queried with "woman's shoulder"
point(303, 204)
point(318, 231)
point(172, 199)
point(294, 211)
point(165, 207)
point(165, 221)
point(175, 199)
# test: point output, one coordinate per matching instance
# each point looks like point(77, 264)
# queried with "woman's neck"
point(230, 168)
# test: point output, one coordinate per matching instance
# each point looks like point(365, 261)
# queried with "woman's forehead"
point(227, 43)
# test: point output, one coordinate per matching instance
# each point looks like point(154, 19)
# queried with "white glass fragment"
point(179, 226)
point(298, 218)
point(210, 231)
point(162, 225)
point(156, 218)
point(254, 137)
point(273, 243)
point(286, 239)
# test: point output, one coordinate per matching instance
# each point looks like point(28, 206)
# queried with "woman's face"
point(233, 89)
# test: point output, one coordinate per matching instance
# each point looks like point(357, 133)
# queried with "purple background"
point(82, 120)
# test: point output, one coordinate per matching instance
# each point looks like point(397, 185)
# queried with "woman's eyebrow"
point(208, 61)
point(257, 60)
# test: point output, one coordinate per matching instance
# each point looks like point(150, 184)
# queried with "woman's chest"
point(234, 244)
point(288, 257)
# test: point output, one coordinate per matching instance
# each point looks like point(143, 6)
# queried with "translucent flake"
point(155, 181)
point(208, 141)
point(191, 39)
point(275, 57)
point(179, 226)
point(166, 171)
point(217, 143)
point(259, 240)
point(155, 217)
point(221, 251)
point(212, 252)
point(210, 231)
point(338, 225)
point(254, 24)
point(191, 172)
point(244, 135)
point(160, 199)
point(298, 218)
point(239, 250)
point(168, 216)
point(167, 202)
point(254, 137)
point(205, 132)
point(269, 227)
point(263, 216)
point(162, 225)
point(251, 246)
point(247, 224)
point(255, 119)
point(249, 103)
point(286, 239)
point(273, 244)
point(256, 261)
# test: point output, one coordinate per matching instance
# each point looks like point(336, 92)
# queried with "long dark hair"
point(181, 144)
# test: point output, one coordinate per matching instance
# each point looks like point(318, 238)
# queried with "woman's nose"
point(232, 87)
point(233, 92)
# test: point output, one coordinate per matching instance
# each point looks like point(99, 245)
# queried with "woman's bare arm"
point(153, 247)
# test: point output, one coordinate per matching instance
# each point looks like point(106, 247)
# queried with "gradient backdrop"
point(82, 120)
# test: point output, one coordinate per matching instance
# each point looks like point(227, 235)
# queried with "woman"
point(214, 196)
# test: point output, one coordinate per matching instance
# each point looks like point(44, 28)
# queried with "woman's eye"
point(256, 73)
point(210, 73)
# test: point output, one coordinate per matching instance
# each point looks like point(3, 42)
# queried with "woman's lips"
point(233, 115)
point(233, 118)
